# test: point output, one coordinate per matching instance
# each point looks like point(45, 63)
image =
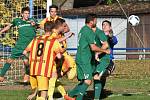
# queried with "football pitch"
point(130, 81)
point(116, 89)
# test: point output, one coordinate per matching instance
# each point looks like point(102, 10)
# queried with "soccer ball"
point(134, 20)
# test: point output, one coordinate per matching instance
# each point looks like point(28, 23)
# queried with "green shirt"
point(26, 31)
point(101, 37)
point(84, 53)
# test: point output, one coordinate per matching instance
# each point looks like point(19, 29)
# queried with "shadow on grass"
point(57, 95)
point(89, 94)
point(104, 94)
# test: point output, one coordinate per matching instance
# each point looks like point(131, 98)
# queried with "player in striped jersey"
point(68, 63)
point(43, 51)
point(53, 15)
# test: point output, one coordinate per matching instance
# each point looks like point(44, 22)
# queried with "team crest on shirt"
point(86, 76)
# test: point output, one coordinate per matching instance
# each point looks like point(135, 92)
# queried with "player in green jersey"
point(86, 45)
point(27, 31)
point(103, 61)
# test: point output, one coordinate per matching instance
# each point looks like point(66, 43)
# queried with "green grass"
point(128, 89)
point(130, 81)
point(117, 89)
point(14, 94)
point(129, 97)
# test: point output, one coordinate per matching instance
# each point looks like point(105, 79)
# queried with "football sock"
point(51, 88)
point(97, 89)
point(76, 90)
point(82, 91)
point(4, 69)
point(61, 89)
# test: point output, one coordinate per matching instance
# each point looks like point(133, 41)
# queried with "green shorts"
point(84, 71)
point(102, 66)
point(20, 46)
point(17, 51)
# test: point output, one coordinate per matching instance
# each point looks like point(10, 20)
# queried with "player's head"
point(59, 25)
point(53, 10)
point(25, 13)
point(91, 19)
point(106, 26)
point(48, 26)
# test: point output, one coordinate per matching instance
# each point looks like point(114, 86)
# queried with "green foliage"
point(114, 1)
point(8, 40)
point(109, 1)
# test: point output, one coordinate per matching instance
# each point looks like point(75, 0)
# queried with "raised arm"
point(97, 49)
point(6, 28)
point(65, 37)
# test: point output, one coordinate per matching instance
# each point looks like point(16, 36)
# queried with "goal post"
point(49, 3)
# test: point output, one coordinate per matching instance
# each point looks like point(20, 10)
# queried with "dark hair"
point(48, 26)
point(58, 22)
point(106, 22)
point(25, 9)
point(53, 6)
point(90, 17)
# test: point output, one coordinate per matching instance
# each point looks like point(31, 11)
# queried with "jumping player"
point(112, 40)
point(27, 31)
point(103, 61)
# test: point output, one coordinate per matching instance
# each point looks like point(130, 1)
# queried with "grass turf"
point(130, 81)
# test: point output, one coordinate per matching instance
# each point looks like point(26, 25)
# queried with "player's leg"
point(27, 69)
point(6, 67)
point(60, 88)
point(101, 68)
point(108, 72)
point(42, 87)
point(34, 87)
point(15, 53)
point(72, 73)
point(69, 62)
point(98, 82)
point(110, 68)
point(84, 73)
point(51, 88)
point(79, 90)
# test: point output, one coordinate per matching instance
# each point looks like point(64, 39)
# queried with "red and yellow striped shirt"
point(58, 36)
point(48, 19)
point(43, 50)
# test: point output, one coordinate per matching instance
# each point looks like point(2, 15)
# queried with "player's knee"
point(71, 74)
point(70, 77)
point(88, 82)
